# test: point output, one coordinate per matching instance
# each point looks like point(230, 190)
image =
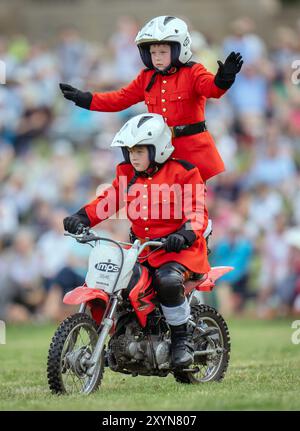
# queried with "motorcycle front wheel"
point(213, 365)
point(72, 346)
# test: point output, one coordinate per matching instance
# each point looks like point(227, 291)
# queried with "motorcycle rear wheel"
point(72, 344)
point(211, 367)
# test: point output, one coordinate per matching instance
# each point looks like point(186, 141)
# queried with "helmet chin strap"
point(165, 71)
point(152, 168)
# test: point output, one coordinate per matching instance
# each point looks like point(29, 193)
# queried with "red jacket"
point(155, 215)
point(180, 98)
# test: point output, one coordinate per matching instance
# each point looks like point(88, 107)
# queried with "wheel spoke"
point(73, 341)
point(208, 366)
point(80, 336)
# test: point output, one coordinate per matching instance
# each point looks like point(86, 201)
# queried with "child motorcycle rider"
point(146, 144)
point(173, 86)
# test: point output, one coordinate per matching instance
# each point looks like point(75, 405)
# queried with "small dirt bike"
point(118, 306)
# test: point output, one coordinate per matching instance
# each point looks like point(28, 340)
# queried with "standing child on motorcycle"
point(142, 182)
point(173, 86)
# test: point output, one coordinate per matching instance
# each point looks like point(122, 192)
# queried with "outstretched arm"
point(107, 102)
point(209, 85)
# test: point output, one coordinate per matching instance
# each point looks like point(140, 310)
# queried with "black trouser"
point(168, 281)
point(169, 284)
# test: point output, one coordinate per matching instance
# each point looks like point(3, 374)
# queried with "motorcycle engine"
point(136, 352)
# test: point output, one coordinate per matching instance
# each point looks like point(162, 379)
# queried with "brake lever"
point(82, 230)
point(87, 236)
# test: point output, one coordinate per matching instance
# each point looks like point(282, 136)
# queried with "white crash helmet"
point(165, 29)
point(146, 129)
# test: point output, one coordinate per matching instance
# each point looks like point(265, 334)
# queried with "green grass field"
point(263, 375)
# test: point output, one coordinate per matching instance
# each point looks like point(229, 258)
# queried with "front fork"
point(82, 307)
point(106, 324)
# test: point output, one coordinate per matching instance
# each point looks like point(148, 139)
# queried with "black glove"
point(175, 242)
point(226, 73)
point(72, 223)
point(82, 99)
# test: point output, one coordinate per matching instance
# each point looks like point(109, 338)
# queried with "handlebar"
point(85, 235)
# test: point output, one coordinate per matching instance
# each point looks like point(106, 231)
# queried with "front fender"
point(84, 294)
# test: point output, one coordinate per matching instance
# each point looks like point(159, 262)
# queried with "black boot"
point(181, 346)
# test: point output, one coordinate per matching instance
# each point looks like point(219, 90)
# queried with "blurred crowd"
point(53, 156)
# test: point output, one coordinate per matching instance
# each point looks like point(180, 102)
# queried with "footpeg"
point(208, 332)
point(191, 370)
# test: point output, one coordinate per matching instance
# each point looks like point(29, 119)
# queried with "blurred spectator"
point(249, 95)
point(265, 205)
point(274, 163)
point(285, 49)
point(127, 61)
point(62, 262)
point(274, 292)
point(21, 294)
point(233, 249)
point(290, 290)
point(71, 275)
point(71, 54)
point(53, 248)
point(8, 217)
point(245, 40)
